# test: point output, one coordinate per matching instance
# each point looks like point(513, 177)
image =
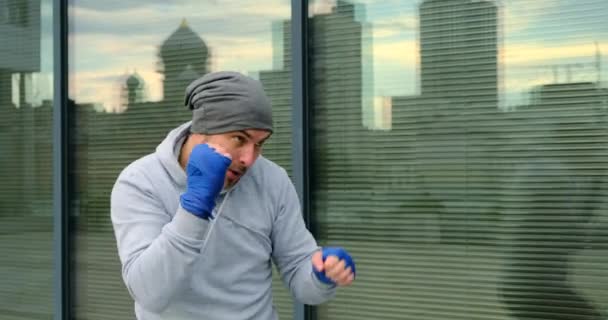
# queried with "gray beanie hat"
point(227, 101)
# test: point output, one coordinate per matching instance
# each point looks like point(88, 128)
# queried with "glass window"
point(130, 62)
point(26, 159)
point(459, 153)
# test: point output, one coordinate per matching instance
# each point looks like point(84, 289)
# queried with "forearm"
point(307, 288)
point(154, 274)
point(294, 248)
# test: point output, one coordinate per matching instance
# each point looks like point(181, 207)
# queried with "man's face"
point(243, 146)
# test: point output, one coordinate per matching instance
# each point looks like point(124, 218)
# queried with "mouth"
point(234, 174)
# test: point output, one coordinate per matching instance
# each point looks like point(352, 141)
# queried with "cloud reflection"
point(101, 52)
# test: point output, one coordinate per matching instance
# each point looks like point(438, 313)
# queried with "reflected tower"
point(459, 51)
point(134, 90)
point(184, 58)
point(20, 56)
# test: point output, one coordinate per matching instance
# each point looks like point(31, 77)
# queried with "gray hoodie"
point(178, 266)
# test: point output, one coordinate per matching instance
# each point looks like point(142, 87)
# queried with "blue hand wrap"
point(206, 171)
point(341, 254)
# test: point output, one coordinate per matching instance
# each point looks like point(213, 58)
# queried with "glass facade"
point(129, 66)
point(457, 148)
point(26, 210)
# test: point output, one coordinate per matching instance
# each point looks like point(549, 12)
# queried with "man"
point(199, 221)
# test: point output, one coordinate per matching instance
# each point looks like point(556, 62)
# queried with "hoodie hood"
point(168, 150)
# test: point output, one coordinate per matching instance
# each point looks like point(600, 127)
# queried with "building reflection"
point(454, 168)
point(26, 177)
point(25, 165)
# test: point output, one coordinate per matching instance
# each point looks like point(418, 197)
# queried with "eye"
point(239, 140)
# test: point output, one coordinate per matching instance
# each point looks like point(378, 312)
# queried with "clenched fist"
point(206, 171)
point(334, 266)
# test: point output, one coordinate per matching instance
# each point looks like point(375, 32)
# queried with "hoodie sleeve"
point(293, 246)
point(157, 251)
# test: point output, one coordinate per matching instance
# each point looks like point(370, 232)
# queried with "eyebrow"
point(245, 133)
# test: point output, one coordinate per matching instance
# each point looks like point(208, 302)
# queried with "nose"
point(248, 156)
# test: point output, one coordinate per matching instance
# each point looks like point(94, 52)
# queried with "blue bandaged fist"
point(342, 275)
point(206, 171)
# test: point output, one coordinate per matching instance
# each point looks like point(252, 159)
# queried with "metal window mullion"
point(60, 162)
point(300, 119)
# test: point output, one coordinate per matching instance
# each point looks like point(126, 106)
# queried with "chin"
point(230, 183)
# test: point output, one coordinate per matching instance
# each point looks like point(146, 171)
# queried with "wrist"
point(195, 206)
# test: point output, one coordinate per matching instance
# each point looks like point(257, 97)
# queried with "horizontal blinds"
point(465, 208)
point(277, 85)
point(26, 220)
point(104, 142)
